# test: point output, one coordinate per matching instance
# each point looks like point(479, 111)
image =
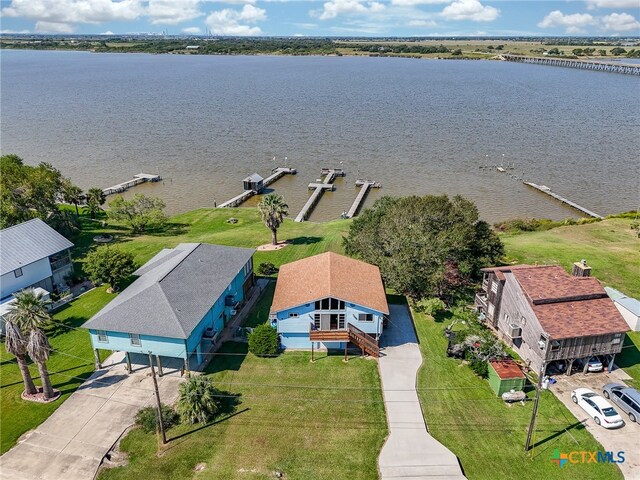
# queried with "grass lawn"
point(19, 416)
point(330, 425)
point(488, 436)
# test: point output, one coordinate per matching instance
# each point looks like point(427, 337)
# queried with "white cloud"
point(234, 22)
point(108, 32)
point(53, 27)
point(48, 13)
point(192, 30)
point(573, 24)
point(9, 32)
point(470, 10)
point(422, 23)
point(339, 7)
point(170, 12)
point(413, 3)
point(620, 22)
point(612, 4)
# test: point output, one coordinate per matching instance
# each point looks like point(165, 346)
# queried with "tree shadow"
point(396, 299)
point(629, 356)
point(576, 425)
point(169, 229)
point(444, 316)
point(305, 240)
point(236, 354)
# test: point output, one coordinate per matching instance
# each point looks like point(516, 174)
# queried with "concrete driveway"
point(71, 443)
point(409, 452)
point(625, 438)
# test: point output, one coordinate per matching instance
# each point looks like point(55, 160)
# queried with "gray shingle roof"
point(28, 242)
point(254, 177)
point(176, 288)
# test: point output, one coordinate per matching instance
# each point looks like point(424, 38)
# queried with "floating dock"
point(244, 196)
point(547, 190)
point(318, 188)
point(364, 185)
point(136, 180)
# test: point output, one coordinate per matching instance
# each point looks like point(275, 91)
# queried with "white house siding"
point(631, 318)
point(32, 274)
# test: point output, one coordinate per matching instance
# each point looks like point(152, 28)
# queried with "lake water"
point(416, 126)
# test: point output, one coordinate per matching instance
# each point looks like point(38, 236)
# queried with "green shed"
point(505, 375)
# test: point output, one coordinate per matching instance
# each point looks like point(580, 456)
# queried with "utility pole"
point(535, 406)
point(158, 404)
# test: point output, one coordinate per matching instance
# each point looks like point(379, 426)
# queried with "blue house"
point(328, 301)
point(178, 306)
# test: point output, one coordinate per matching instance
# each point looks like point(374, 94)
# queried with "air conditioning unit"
point(233, 312)
point(514, 331)
point(541, 344)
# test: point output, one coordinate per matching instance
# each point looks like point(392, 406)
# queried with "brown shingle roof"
point(581, 318)
point(329, 275)
point(550, 284)
point(500, 271)
point(507, 369)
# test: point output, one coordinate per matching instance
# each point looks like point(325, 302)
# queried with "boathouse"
point(254, 183)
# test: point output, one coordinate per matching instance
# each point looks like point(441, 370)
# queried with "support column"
point(345, 351)
point(128, 358)
point(159, 366)
point(96, 356)
point(586, 366)
point(613, 356)
point(312, 359)
point(569, 367)
point(186, 366)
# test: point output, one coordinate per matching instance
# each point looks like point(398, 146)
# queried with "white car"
point(596, 406)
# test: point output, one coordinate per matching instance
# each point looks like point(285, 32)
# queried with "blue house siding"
point(180, 347)
point(294, 330)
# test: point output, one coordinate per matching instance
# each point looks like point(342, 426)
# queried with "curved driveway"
point(409, 452)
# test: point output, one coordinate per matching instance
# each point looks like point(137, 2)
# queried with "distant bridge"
point(625, 68)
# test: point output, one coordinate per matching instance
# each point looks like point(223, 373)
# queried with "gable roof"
point(254, 177)
point(176, 288)
point(329, 275)
point(568, 306)
point(28, 242)
point(629, 303)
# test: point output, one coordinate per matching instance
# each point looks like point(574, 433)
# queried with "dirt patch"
point(39, 397)
point(269, 247)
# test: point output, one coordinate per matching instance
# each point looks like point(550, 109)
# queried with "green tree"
point(602, 52)
point(27, 192)
point(424, 246)
point(72, 194)
point(16, 345)
point(578, 52)
point(618, 51)
point(273, 209)
point(64, 222)
point(263, 340)
point(457, 52)
point(95, 199)
point(29, 313)
point(140, 213)
point(109, 265)
point(198, 400)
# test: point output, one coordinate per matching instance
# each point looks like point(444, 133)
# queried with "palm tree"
point(95, 198)
point(273, 210)
point(30, 314)
point(72, 194)
point(16, 345)
point(198, 400)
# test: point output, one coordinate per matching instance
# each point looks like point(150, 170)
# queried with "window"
point(365, 317)
point(135, 339)
point(17, 272)
point(316, 321)
point(555, 345)
point(293, 315)
point(341, 318)
point(329, 304)
point(494, 287)
point(102, 336)
point(523, 321)
point(507, 318)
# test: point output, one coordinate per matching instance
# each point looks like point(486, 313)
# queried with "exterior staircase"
point(352, 334)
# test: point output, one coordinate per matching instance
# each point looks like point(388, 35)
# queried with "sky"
point(324, 18)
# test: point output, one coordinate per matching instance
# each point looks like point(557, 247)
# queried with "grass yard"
point(68, 369)
point(488, 436)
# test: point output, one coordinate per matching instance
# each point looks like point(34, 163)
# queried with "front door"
point(334, 322)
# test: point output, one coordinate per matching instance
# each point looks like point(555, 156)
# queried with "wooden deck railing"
point(328, 335)
point(364, 341)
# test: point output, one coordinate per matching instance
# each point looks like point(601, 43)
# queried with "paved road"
point(625, 438)
point(71, 443)
point(409, 452)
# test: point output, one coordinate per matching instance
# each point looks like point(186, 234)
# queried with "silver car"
point(628, 399)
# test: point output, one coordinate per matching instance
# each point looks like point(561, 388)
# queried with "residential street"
point(625, 438)
point(71, 443)
point(409, 452)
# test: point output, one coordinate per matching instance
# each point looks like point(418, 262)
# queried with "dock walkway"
point(364, 185)
point(244, 196)
point(318, 188)
point(136, 180)
point(547, 190)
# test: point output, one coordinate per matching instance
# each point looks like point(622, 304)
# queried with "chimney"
point(581, 269)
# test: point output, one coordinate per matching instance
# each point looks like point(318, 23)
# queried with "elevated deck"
point(547, 190)
point(276, 174)
point(136, 180)
point(353, 334)
point(330, 175)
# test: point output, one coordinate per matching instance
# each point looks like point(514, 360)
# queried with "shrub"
point(198, 400)
point(263, 340)
point(267, 268)
point(480, 368)
point(431, 306)
point(147, 418)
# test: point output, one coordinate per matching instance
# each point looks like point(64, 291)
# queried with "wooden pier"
point(610, 67)
point(364, 185)
point(276, 174)
point(547, 190)
point(136, 180)
point(318, 188)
